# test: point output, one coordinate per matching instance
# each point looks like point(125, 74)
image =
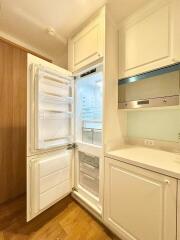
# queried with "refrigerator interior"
point(89, 109)
point(88, 134)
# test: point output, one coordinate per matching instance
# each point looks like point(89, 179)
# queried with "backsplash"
point(161, 124)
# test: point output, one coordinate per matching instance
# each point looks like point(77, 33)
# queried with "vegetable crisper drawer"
point(89, 169)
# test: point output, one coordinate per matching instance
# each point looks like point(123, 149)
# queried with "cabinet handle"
point(166, 181)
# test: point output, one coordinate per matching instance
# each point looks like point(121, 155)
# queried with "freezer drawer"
point(89, 173)
point(89, 183)
point(89, 159)
point(89, 170)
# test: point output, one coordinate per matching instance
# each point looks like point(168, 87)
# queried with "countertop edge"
point(166, 172)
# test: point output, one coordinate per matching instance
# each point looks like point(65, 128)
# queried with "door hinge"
point(74, 189)
point(72, 146)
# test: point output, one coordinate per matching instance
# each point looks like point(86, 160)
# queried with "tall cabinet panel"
point(12, 121)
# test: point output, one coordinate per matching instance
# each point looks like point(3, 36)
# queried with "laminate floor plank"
point(66, 220)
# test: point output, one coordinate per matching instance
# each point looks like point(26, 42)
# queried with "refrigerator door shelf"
point(52, 109)
point(54, 143)
point(54, 98)
point(55, 88)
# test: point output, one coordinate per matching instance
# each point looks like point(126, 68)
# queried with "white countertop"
point(155, 160)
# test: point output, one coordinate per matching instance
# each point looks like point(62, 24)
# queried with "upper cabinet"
point(87, 46)
point(150, 39)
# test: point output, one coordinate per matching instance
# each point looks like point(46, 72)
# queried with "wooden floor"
point(66, 220)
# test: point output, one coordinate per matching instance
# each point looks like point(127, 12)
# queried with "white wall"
point(161, 124)
point(61, 60)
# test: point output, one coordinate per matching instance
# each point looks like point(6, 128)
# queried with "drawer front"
point(54, 194)
point(53, 164)
point(89, 170)
point(54, 179)
point(89, 183)
point(50, 179)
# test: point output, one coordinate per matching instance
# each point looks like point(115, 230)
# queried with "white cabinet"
point(139, 204)
point(87, 46)
point(150, 38)
point(49, 179)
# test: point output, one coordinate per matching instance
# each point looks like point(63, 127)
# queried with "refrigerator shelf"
point(53, 144)
point(53, 114)
point(54, 111)
point(55, 84)
point(54, 98)
point(55, 78)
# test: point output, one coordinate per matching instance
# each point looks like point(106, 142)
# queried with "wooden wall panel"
point(13, 62)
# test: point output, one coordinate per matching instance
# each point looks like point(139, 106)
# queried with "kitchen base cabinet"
point(139, 204)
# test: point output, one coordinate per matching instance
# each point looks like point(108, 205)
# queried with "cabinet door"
point(139, 204)
point(147, 39)
point(87, 46)
point(141, 46)
point(49, 179)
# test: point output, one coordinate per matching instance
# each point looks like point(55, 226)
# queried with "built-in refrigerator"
point(64, 136)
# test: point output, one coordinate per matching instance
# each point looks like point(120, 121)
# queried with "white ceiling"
point(28, 20)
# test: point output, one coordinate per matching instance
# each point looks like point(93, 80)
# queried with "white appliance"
point(63, 112)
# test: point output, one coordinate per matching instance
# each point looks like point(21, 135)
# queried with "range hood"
point(153, 89)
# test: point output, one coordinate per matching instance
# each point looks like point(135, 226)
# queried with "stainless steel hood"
point(153, 89)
